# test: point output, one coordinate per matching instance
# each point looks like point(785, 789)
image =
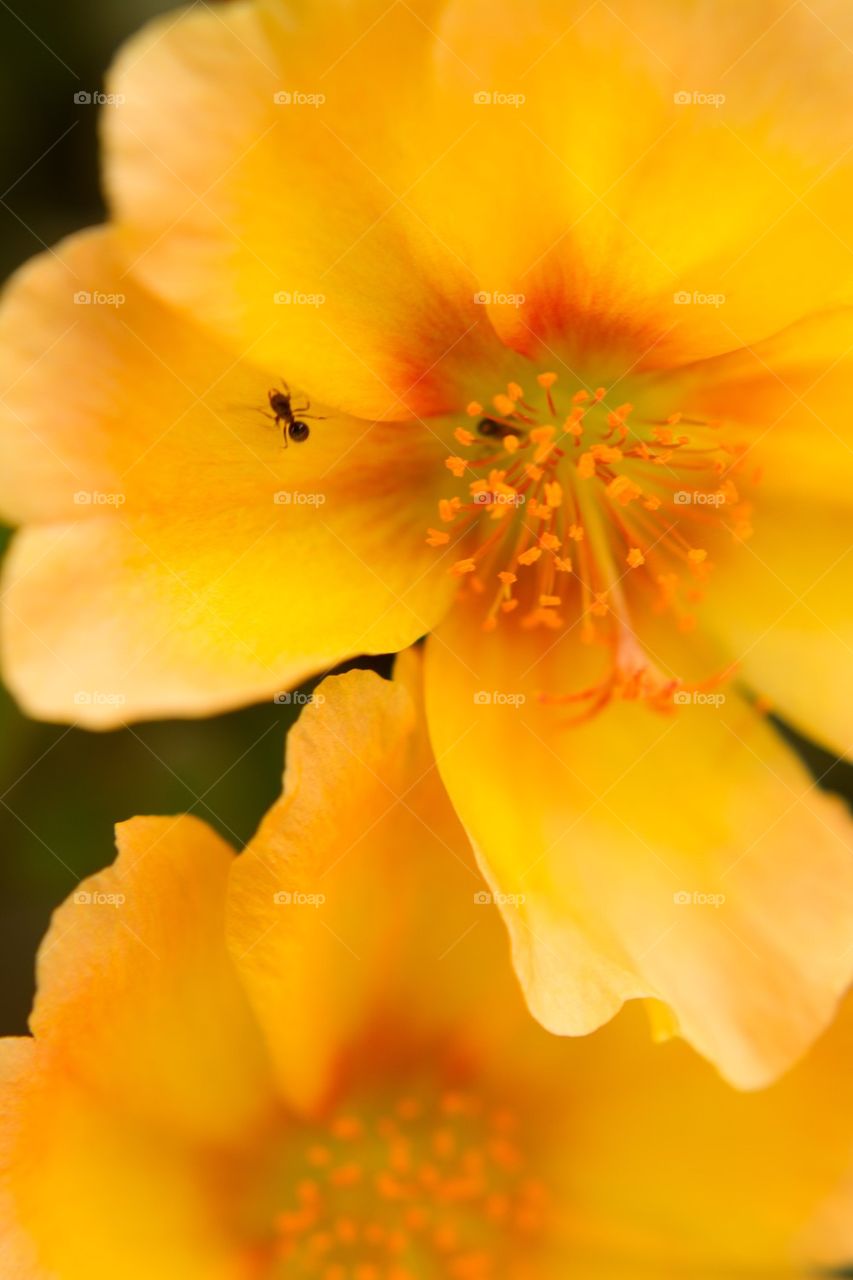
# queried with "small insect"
point(489, 427)
point(285, 413)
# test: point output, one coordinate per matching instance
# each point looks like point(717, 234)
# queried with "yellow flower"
point(311, 1061)
point(568, 288)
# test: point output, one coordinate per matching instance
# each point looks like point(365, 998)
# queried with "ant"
point(285, 413)
point(489, 427)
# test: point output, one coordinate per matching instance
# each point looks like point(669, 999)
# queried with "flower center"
point(433, 1185)
point(574, 512)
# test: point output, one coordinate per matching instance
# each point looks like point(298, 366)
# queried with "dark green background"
point(61, 789)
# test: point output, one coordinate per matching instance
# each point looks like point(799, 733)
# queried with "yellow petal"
point(358, 888)
point(199, 563)
point(264, 198)
point(136, 993)
point(87, 1190)
point(772, 1164)
point(782, 605)
point(687, 857)
point(624, 223)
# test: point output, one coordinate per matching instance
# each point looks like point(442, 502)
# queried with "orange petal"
point(318, 897)
point(135, 961)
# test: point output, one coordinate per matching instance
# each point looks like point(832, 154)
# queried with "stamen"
point(434, 1184)
point(626, 501)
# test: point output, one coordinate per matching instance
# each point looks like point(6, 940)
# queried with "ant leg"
point(303, 413)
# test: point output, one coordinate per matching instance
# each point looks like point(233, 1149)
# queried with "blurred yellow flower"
point(569, 289)
point(311, 1061)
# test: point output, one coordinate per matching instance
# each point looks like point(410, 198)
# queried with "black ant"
point(285, 413)
point(489, 427)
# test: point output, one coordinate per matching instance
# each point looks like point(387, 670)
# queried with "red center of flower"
point(575, 513)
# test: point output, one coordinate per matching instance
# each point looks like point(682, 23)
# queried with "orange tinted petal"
point(357, 887)
point(136, 992)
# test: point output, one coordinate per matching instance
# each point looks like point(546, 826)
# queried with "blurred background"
point(62, 789)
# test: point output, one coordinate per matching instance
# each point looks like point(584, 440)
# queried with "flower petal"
point(687, 191)
point(206, 564)
point(763, 1167)
point(356, 889)
point(781, 607)
point(87, 1190)
point(263, 200)
point(136, 992)
point(624, 832)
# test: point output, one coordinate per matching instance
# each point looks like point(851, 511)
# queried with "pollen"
point(427, 1185)
point(649, 504)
